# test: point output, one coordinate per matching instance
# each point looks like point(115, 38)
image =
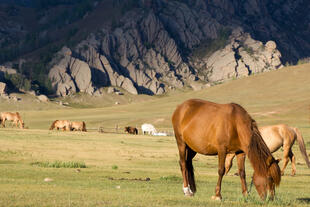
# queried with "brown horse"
point(78, 126)
point(14, 117)
point(61, 124)
point(131, 130)
point(218, 129)
point(277, 136)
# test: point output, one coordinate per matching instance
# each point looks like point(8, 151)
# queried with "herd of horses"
point(225, 130)
point(66, 125)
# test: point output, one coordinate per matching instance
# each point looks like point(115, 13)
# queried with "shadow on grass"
point(304, 200)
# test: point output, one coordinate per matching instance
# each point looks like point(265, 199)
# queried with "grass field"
point(128, 170)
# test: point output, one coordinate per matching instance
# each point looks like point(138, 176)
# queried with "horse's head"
point(53, 125)
point(268, 182)
point(22, 124)
point(127, 129)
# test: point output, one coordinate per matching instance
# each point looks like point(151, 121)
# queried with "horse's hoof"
point(216, 198)
point(189, 194)
point(187, 191)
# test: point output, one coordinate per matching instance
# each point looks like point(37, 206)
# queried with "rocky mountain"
point(153, 46)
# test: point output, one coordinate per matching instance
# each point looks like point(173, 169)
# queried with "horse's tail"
point(302, 146)
point(190, 174)
point(53, 125)
point(84, 127)
point(136, 131)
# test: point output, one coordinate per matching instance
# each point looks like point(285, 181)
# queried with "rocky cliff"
point(154, 46)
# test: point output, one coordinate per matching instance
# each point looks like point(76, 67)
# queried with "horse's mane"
point(18, 115)
point(53, 125)
point(261, 157)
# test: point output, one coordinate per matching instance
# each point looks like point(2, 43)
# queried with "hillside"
point(147, 46)
point(274, 97)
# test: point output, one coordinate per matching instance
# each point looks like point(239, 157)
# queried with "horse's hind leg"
point(221, 171)
point(3, 123)
point(241, 171)
point(228, 162)
point(285, 158)
point(190, 169)
point(292, 158)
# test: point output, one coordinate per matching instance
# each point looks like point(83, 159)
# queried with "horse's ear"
point(269, 160)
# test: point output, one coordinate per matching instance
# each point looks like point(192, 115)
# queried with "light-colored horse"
point(78, 126)
point(148, 128)
point(14, 117)
point(277, 136)
point(65, 125)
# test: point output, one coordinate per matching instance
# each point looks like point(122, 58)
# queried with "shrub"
point(17, 81)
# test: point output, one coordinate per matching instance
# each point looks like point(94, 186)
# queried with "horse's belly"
point(202, 147)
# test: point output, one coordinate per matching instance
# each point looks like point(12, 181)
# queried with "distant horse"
point(14, 117)
point(218, 129)
point(148, 128)
point(78, 126)
point(131, 130)
point(277, 136)
point(61, 124)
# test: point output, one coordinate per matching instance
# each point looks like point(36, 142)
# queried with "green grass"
point(128, 170)
point(60, 164)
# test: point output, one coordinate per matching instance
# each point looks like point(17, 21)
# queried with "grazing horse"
point(277, 136)
point(61, 124)
point(131, 130)
point(78, 126)
point(218, 129)
point(149, 128)
point(14, 117)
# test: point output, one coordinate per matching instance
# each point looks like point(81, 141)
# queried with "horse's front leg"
point(241, 171)
point(221, 172)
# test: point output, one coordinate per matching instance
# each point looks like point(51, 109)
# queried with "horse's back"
point(147, 127)
point(205, 126)
point(276, 136)
point(199, 111)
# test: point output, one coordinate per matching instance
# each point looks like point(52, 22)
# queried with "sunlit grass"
point(128, 170)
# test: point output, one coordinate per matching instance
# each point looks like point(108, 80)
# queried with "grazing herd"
point(66, 125)
point(225, 130)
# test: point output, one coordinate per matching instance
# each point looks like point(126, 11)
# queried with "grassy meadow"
point(39, 167)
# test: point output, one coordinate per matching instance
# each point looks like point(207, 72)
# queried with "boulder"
point(3, 88)
point(243, 56)
point(70, 75)
point(111, 90)
point(43, 98)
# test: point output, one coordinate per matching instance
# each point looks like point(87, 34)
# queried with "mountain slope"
point(151, 46)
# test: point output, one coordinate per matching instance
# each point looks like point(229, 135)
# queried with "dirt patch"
point(131, 179)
